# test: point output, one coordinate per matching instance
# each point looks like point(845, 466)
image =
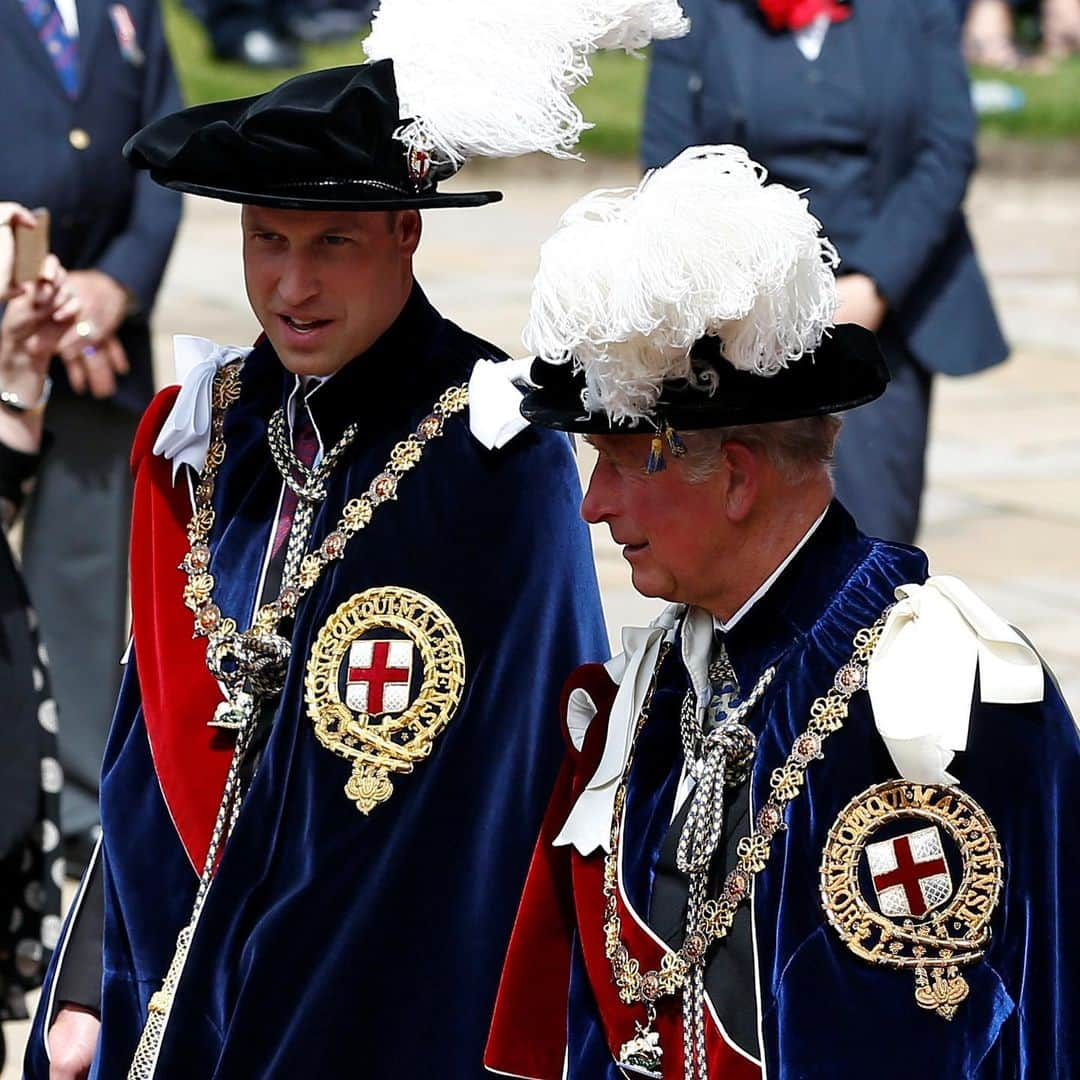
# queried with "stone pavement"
point(1003, 503)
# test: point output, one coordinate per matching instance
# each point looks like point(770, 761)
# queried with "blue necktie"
point(63, 49)
point(726, 695)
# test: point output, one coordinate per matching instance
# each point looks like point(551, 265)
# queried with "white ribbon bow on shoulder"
point(495, 402)
point(185, 436)
point(921, 677)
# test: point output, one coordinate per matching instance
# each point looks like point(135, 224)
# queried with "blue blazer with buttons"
point(914, 241)
point(65, 154)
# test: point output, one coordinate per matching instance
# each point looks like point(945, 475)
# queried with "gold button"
point(79, 138)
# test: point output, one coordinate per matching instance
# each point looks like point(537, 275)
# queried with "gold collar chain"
point(637, 986)
point(251, 663)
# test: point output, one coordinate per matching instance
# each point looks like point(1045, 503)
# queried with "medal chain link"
point(221, 631)
point(677, 969)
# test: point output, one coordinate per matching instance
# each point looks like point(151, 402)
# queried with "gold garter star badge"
point(384, 678)
point(930, 858)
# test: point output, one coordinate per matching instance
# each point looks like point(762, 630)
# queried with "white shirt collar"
point(69, 16)
point(810, 40)
point(767, 584)
point(306, 385)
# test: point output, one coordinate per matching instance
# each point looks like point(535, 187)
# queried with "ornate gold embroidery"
point(939, 941)
point(380, 744)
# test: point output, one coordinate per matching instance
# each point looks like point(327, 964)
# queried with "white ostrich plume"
point(634, 277)
point(495, 79)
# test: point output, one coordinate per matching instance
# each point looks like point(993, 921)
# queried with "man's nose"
point(298, 282)
point(597, 504)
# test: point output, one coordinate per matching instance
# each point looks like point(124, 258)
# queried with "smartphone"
point(31, 247)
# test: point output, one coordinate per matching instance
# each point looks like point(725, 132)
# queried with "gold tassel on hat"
point(656, 461)
point(675, 443)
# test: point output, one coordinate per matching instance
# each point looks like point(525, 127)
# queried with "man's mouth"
point(303, 326)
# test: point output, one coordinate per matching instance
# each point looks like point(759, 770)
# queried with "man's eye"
point(336, 241)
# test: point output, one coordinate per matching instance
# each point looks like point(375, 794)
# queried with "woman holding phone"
point(36, 315)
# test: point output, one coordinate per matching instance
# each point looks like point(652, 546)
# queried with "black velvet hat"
point(703, 298)
point(846, 370)
point(319, 141)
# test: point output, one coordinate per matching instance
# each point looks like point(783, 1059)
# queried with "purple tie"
point(63, 49)
point(305, 446)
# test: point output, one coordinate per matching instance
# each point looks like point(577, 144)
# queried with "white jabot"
point(810, 40)
point(495, 402)
point(588, 825)
point(921, 677)
point(185, 436)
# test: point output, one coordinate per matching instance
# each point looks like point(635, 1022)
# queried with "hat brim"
point(328, 201)
point(846, 370)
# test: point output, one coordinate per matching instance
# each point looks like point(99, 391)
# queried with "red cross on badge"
point(910, 874)
point(379, 676)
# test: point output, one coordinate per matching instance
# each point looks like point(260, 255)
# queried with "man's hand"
point(72, 1042)
point(860, 302)
point(92, 354)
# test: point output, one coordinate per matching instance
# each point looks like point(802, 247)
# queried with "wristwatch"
point(10, 400)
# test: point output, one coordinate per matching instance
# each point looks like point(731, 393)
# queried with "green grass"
point(1052, 110)
point(612, 101)
point(205, 79)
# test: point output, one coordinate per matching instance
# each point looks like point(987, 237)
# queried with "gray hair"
point(797, 449)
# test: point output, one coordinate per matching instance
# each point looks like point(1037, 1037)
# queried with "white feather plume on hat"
point(493, 78)
point(634, 277)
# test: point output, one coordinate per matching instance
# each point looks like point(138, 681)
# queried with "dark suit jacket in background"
point(104, 215)
point(916, 244)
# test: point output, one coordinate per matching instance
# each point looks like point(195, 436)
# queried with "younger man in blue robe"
point(383, 732)
point(813, 822)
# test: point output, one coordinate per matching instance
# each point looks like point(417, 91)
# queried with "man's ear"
point(743, 479)
point(410, 226)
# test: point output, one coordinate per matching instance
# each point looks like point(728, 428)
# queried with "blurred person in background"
point(249, 32)
point(990, 35)
point(266, 33)
point(868, 108)
point(78, 78)
point(31, 867)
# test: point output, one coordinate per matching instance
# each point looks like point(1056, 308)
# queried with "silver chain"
point(307, 482)
point(299, 534)
point(725, 758)
point(144, 1061)
point(312, 485)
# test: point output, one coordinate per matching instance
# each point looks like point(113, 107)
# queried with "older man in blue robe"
point(813, 821)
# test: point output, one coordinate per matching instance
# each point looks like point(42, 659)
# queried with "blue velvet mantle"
point(824, 1013)
point(335, 944)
